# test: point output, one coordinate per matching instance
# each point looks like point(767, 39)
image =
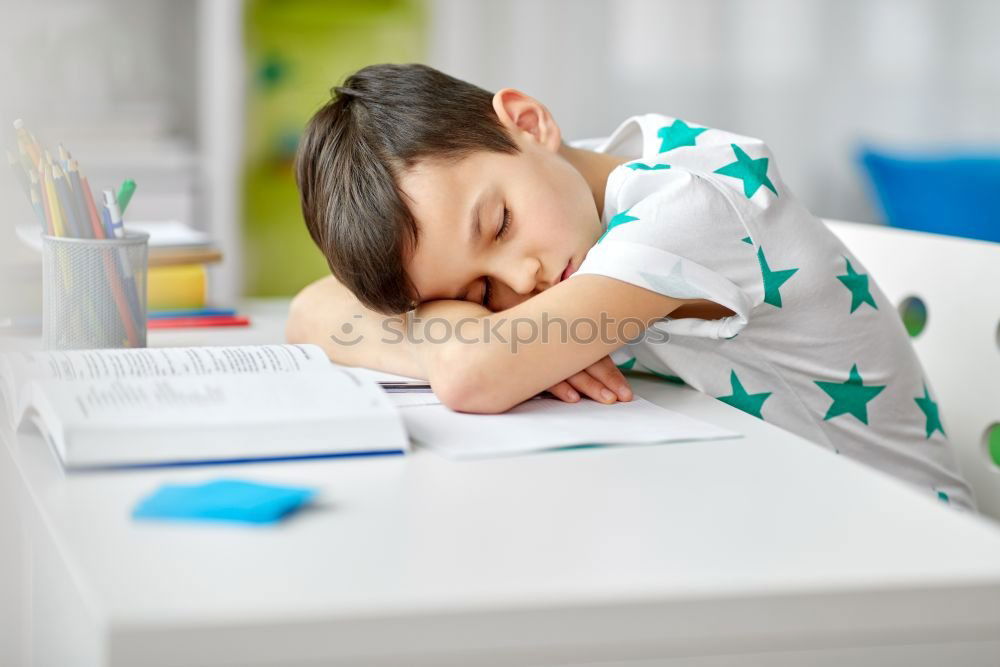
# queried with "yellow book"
point(178, 287)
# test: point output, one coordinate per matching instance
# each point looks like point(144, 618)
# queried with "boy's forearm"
point(500, 359)
point(487, 362)
point(325, 313)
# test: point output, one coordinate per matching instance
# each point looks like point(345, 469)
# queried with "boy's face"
point(552, 217)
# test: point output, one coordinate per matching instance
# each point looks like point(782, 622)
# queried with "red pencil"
point(204, 321)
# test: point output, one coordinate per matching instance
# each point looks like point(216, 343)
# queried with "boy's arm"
point(319, 313)
point(494, 361)
point(327, 314)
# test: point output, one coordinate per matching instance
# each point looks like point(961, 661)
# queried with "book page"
point(221, 400)
point(167, 362)
point(547, 423)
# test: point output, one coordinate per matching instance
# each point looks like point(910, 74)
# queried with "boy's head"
point(404, 163)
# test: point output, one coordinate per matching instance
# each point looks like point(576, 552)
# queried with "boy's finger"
point(612, 378)
point(564, 392)
point(590, 386)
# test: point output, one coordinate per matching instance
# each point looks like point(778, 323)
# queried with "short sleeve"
point(677, 233)
point(743, 166)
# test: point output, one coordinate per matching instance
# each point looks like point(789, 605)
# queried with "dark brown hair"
point(381, 121)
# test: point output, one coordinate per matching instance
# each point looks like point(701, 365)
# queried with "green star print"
point(669, 378)
point(850, 397)
point(772, 279)
point(752, 172)
point(858, 284)
point(618, 219)
point(677, 135)
point(626, 366)
point(930, 409)
point(741, 400)
point(646, 167)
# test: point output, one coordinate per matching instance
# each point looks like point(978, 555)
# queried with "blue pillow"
point(954, 193)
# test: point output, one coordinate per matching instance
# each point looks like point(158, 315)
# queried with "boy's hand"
point(601, 381)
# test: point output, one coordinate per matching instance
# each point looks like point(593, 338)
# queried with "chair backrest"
point(958, 281)
point(961, 203)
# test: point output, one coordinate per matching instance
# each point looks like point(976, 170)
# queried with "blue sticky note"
point(223, 500)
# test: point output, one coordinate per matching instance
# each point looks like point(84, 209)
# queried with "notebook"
point(543, 423)
point(198, 404)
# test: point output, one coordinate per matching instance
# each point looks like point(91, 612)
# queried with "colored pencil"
point(92, 214)
point(77, 200)
point(54, 209)
point(209, 321)
point(66, 202)
point(193, 312)
point(23, 137)
point(43, 193)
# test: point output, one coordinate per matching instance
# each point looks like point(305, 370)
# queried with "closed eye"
point(504, 228)
point(505, 225)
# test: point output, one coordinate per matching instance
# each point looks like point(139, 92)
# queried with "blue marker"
point(117, 226)
point(116, 230)
point(109, 232)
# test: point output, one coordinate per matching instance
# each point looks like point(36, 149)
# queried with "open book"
point(171, 405)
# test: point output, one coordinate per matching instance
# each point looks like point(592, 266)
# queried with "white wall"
point(144, 89)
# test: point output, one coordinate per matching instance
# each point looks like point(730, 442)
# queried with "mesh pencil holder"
point(94, 292)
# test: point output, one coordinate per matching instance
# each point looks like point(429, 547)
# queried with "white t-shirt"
point(814, 346)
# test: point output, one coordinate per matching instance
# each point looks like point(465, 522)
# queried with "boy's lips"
point(568, 271)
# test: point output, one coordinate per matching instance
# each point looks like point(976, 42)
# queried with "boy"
point(522, 263)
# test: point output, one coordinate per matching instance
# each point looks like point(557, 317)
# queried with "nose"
point(521, 275)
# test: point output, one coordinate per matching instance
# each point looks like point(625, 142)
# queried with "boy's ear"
point(521, 113)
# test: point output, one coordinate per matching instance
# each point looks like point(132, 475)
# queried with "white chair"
point(958, 281)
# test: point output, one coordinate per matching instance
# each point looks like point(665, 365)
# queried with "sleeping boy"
point(471, 246)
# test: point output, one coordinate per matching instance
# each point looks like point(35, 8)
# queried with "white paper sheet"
point(548, 423)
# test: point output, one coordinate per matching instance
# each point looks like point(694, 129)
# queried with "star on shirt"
point(626, 365)
point(857, 283)
point(669, 378)
point(850, 397)
point(635, 166)
point(773, 280)
point(677, 135)
point(741, 400)
point(752, 172)
point(618, 219)
point(930, 409)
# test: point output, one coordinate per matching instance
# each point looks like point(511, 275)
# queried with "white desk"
point(764, 550)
